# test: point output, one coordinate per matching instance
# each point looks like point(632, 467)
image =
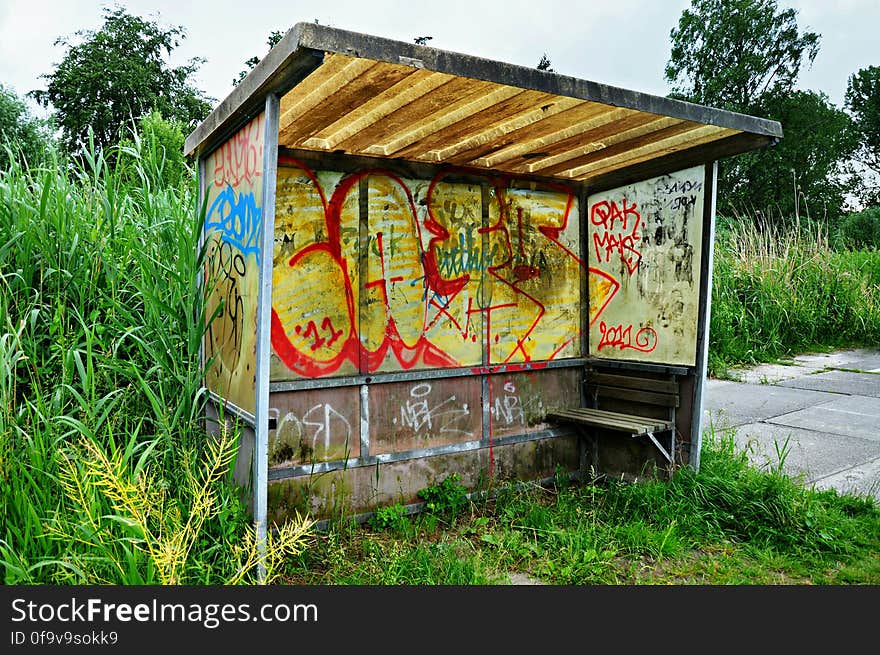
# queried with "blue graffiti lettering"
point(238, 219)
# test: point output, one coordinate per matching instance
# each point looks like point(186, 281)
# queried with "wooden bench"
point(624, 388)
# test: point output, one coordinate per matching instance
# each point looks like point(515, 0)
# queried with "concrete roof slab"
point(343, 92)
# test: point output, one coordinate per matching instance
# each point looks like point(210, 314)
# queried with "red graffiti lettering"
point(606, 214)
point(318, 340)
point(240, 159)
point(619, 234)
point(419, 274)
point(621, 337)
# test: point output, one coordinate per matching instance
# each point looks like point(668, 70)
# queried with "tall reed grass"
point(782, 291)
point(106, 473)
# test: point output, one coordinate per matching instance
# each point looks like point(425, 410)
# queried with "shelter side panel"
point(314, 274)
point(519, 402)
point(374, 272)
point(420, 275)
point(314, 425)
point(644, 246)
point(412, 416)
point(232, 229)
point(532, 300)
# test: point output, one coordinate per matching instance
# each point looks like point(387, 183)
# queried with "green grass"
point(779, 293)
point(728, 524)
point(106, 475)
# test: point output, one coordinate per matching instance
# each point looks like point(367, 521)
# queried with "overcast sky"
point(618, 42)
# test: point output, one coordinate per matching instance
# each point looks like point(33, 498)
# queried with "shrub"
point(860, 230)
point(153, 156)
point(447, 498)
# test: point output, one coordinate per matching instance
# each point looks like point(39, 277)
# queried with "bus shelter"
point(416, 258)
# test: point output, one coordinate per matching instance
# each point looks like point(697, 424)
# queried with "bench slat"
point(631, 388)
point(601, 421)
point(646, 419)
point(611, 420)
point(637, 383)
point(647, 397)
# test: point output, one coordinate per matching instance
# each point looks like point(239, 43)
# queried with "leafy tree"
point(860, 230)
point(806, 174)
point(274, 37)
point(118, 74)
point(545, 64)
point(734, 54)
point(863, 101)
point(27, 137)
point(745, 56)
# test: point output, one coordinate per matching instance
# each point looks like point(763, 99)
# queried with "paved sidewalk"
point(822, 413)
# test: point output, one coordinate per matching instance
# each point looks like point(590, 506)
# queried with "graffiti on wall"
point(518, 402)
point(424, 414)
point(644, 249)
point(375, 272)
point(232, 230)
point(314, 425)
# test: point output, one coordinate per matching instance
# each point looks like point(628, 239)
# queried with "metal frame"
point(303, 470)
point(200, 283)
point(707, 264)
point(231, 408)
point(264, 328)
point(423, 374)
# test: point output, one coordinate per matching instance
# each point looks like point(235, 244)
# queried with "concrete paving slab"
point(870, 364)
point(862, 384)
point(770, 373)
point(854, 416)
point(828, 407)
point(836, 359)
point(858, 405)
point(727, 403)
point(862, 480)
point(859, 360)
point(813, 455)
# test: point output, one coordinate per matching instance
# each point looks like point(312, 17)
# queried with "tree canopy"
point(807, 174)
point(27, 137)
point(112, 77)
point(746, 56)
point(734, 54)
point(274, 37)
point(545, 64)
point(863, 101)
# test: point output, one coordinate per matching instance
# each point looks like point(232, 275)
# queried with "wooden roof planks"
point(347, 93)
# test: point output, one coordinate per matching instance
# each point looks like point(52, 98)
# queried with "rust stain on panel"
point(366, 488)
